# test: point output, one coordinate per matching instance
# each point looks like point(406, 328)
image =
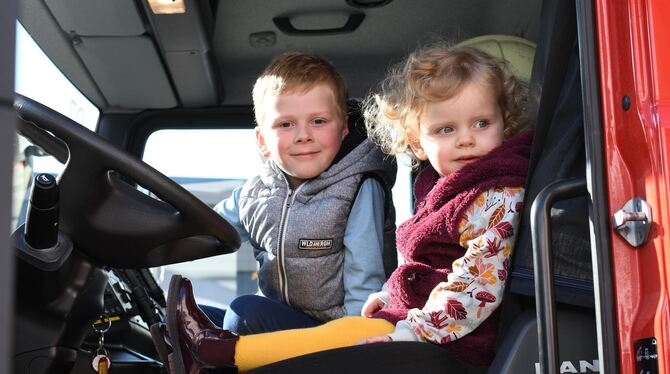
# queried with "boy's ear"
point(262, 146)
point(345, 127)
point(416, 148)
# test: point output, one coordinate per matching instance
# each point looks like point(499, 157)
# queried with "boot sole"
point(177, 361)
point(159, 343)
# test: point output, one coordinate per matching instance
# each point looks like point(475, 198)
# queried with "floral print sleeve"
point(475, 287)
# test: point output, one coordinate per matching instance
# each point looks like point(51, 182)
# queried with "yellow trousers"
point(253, 351)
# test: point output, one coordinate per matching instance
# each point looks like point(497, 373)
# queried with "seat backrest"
point(357, 134)
point(558, 152)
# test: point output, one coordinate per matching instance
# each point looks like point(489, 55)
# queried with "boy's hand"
point(372, 306)
point(375, 339)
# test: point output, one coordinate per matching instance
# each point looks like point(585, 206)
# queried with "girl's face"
point(457, 131)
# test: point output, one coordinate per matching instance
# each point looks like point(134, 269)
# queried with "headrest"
point(357, 131)
point(517, 51)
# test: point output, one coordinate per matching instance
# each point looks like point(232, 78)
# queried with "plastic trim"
point(8, 120)
point(601, 245)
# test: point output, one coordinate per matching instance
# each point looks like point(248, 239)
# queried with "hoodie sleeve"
point(363, 247)
point(475, 287)
point(229, 209)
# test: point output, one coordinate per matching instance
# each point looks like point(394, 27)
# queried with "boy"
point(314, 217)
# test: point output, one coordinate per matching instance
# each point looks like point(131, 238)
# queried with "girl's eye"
point(446, 130)
point(481, 124)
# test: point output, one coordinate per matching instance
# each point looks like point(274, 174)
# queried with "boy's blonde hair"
point(436, 74)
point(297, 72)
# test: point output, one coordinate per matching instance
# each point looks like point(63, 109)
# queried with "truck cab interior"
point(170, 82)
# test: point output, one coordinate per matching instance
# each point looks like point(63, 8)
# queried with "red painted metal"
point(634, 51)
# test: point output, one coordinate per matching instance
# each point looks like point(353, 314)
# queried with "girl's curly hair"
point(434, 74)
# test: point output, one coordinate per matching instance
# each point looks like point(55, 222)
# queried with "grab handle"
point(543, 268)
point(284, 25)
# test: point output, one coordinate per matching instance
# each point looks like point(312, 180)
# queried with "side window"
point(402, 190)
point(210, 163)
point(39, 79)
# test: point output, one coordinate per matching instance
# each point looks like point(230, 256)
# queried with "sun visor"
point(128, 71)
point(97, 17)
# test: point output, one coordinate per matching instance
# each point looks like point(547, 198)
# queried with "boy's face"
point(301, 132)
point(460, 130)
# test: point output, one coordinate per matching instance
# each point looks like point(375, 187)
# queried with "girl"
point(460, 110)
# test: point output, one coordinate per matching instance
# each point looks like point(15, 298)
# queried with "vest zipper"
point(281, 265)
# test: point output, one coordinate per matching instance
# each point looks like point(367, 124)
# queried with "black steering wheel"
point(106, 216)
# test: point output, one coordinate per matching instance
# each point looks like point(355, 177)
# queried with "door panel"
point(634, 64)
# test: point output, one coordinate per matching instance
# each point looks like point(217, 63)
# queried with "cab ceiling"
point(125, 58)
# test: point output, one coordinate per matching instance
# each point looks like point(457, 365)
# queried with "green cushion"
point(517, 51)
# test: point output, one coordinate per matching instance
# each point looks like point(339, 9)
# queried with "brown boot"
point(198, 345)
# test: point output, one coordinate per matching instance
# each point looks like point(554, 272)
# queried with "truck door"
point(633, 37)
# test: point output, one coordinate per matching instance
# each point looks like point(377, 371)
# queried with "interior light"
point(167, 6)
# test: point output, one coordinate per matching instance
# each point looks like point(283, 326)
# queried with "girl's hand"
point(375, 339)
point(372, 306)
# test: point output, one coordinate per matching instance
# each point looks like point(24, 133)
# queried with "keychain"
point(101, 362)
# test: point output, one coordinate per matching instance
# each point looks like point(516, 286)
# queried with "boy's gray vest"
point(297, 235)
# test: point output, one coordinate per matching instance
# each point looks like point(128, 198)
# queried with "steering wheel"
point(107, 218)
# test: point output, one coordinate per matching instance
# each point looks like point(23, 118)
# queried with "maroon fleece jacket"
point(429, 240)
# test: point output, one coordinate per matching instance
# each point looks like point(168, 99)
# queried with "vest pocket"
point(316, 283)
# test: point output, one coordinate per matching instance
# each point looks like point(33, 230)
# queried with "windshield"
point(39, 79)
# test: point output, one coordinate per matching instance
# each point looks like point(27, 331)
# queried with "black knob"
point(41, 228)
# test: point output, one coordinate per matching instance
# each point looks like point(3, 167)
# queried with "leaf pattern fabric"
point(475, 287)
